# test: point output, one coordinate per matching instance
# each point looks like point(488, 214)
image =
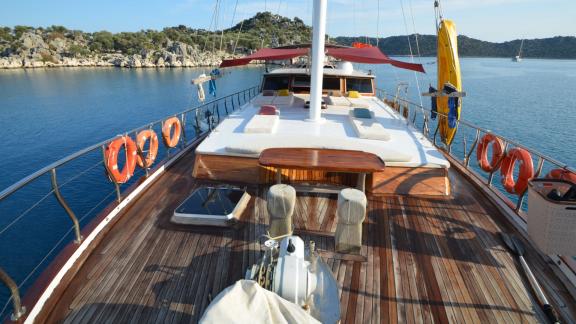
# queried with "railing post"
point(184, 140)
point(18, 309)
point(141, 154)
point(520, 202)
point(539, 167)
point(65, 206)
point(468, 154)
point(491, 176)
point(198, 128)
point(436, 132)
point(217, 112)
point(425, 129)
point(117, 187)
point(450, 145)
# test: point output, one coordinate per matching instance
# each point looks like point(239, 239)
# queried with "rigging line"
point(411, 53)
point(15, 220)
point(238, 37)
point(45, 257)
point(209, 28)
point(378, 25)
point(79, 175)
point(416, 36)
point(222, 29)
point(216, 18)
point(234, 14)
point(354, 20)
point(231, 22)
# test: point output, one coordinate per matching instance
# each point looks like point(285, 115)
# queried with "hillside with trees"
point(182, 46)
point(560, 47)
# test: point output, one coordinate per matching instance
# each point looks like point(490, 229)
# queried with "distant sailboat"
point(518, 58)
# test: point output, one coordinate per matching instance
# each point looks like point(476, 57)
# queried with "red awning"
point(371, 55)
point(267, 54)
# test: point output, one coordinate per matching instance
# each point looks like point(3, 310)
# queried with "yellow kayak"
point(448, 71)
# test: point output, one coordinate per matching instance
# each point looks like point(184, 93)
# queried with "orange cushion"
point(268, 110)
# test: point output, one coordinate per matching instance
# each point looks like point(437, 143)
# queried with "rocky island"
point(182, 46)
point(34, 52)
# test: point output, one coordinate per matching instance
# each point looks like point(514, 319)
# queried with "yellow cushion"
point(353, 94)
point(283, 93)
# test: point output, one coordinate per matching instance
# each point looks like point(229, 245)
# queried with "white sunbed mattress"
point(369, 128)
point(262, 124)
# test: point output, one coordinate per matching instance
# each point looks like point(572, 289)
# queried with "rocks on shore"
point(34, 52)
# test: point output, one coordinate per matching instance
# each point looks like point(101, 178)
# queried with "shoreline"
point(130, 62)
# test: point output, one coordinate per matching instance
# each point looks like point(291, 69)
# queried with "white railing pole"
point(317, 68)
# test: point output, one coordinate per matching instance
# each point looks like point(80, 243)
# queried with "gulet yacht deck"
point(423, 259)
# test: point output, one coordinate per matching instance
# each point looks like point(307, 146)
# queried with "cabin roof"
point(327, 72)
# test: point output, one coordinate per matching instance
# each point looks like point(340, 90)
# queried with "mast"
point(317, 68)
point(520, 51)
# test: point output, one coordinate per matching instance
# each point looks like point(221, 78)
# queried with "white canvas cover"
point(247, 302)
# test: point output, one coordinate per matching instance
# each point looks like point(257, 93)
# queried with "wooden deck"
point(427, 260)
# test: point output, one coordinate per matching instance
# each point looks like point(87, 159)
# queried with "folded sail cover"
point(369, 55)
point(267, 54)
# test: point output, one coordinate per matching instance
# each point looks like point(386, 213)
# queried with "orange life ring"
point(526, 173)
point(167, 129)
point(562, 174)
point(111, 156)
point(141, 139)
point(497, 152)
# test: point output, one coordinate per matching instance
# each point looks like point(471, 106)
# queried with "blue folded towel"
point(362, 113)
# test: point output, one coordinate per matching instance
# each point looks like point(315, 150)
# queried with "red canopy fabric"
point(370, 55)
point(267, 54)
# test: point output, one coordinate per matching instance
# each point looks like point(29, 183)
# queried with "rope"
point(276, 238)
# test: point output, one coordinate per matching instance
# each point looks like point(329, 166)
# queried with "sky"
point(490, 20)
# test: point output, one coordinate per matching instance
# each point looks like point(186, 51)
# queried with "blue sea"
point(47, 114)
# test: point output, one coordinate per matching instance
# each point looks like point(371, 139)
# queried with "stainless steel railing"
point(204, 117)
point(411, 110)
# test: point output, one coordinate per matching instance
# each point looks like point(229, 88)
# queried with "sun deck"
point(406, 148)
point(423, 259)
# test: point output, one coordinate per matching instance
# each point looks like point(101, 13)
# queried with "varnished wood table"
point(344, 161)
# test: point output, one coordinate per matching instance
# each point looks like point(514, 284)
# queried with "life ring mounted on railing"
point(562, 174)
point(519, 186)
point(111, 159)
point(497, 152)
point(141, 139)
point(171, 140)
